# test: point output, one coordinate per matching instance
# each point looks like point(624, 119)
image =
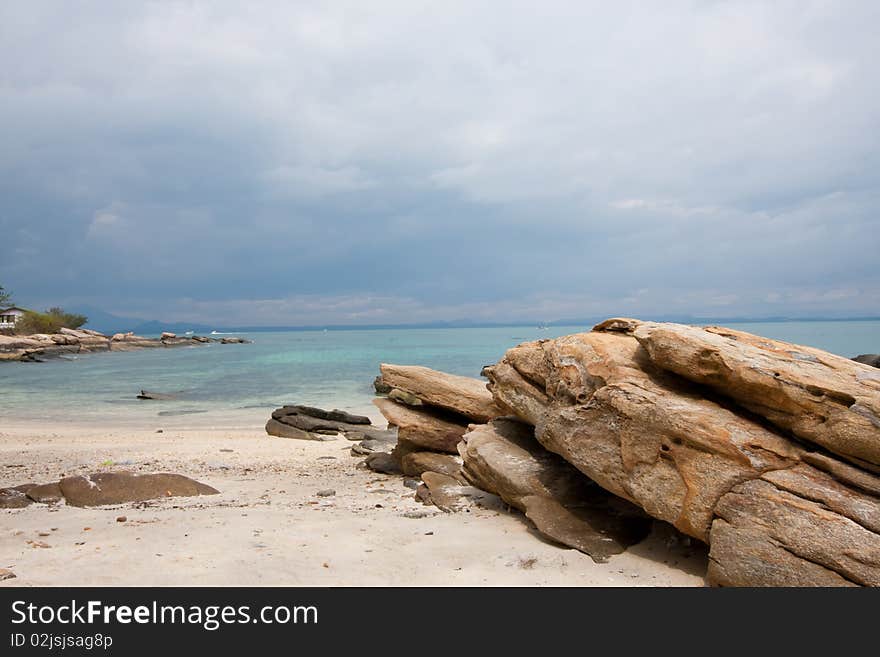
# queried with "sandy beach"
point(268, 526)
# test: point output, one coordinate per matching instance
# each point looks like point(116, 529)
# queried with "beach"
point(269, 527)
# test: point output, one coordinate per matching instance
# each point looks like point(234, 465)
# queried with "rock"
point(382, 462)
point(774, 510)
point(282, 430)
point(167, 335)
point(129, 341)
point(822, 398)
point(796, 527)
point(640, 433)
point(334, 416)
point(503, 457)
point(121, 519)
point(868, 359)
point(309, 420)
point(380, 387)
point(404, 397)
point(415, 463)
point(458, 394)
point(234, 341)
point(448, 494)
point(5, 574)
point(121, 487)
point(159, 396)
point(15, 497)
point(422, 427)
point(327, 492)
point(590, 530)
point(46, 493)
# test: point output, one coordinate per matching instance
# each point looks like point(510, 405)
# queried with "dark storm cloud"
point(409, 161)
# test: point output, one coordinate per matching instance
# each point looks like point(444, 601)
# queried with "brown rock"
point(282, 430)
point(645, 435)
point(15, 497)
point(448, 494)
point(382, 462)
point(503, 457)
point(46, 493)
point(796, 527)
point(121, 487)
point(458, 394)
point(415, 463)
point(593, 531)
point(826, 399)
point(422, 427)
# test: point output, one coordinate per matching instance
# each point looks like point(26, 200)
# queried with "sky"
point(298, 163)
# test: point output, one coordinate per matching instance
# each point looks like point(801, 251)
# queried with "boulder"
point(427, 429)
point(504, 458)
point(450, 495)
point(825, 399)
point(416, 463)
point(458, 394)
point(15, 497)
point(641, 433)
point(167, 335)
point(309, 420)
point(46, 493)
point(868, 359)
point(382, 462)
point(122, 487)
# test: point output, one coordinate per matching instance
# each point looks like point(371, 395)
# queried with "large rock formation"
point(702, 428)
point(424, 428)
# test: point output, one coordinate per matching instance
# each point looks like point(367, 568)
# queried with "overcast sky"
point(380, 162)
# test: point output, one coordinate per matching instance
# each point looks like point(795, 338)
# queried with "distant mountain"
point(108, 323)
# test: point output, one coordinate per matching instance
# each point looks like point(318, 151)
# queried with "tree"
point(5, 297)
point(51, 321)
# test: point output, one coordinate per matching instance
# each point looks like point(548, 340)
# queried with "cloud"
point(474, 159)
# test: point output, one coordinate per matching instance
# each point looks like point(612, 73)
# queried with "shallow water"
point(333, 369)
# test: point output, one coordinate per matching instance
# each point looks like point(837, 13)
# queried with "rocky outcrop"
point(105, 488)
point(457, 394)
point(415, 464)
point(309, 423)
point(722, 434)
point(40, 346)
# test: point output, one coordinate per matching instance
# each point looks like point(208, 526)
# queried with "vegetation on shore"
point(51, 321)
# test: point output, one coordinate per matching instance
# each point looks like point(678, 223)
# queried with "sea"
point(239, 384)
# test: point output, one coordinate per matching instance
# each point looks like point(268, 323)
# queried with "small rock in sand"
point(327, 492)
point(6, 574)
point(121, 519)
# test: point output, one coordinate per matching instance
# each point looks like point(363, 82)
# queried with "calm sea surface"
point(332, 369)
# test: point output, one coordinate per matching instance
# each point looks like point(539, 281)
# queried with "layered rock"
point(309, 423)
point(458, 394)
point(423, 428)
point(504, 458)
point(667, 417)
point(822, 398)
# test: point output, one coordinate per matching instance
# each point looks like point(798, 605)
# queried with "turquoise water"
point(321, 368)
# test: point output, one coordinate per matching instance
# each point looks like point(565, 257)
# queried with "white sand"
point(268, 527)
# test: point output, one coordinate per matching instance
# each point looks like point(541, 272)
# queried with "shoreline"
point(268, 527)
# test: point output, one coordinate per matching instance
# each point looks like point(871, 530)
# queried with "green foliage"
point(51, 321)
point(5, 297)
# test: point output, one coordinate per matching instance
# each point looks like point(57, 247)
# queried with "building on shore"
point(9, 317)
